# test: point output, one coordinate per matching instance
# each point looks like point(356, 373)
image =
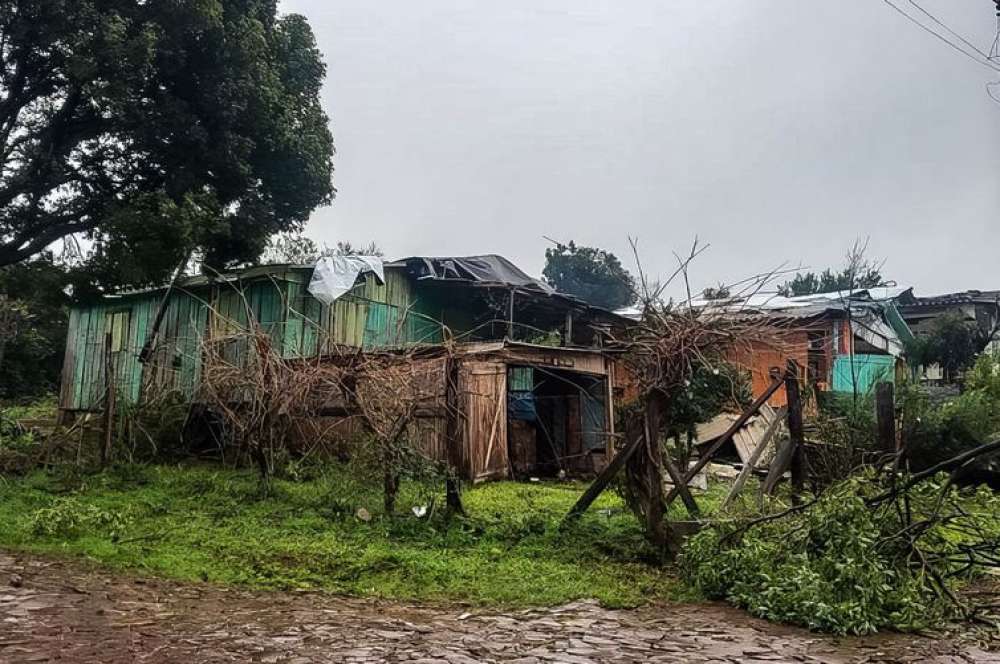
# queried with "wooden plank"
point(83, 354)
point(110, 391)
point(779, 464)
point(776, 383)
point(758, 452)
point(603, 479)
point(493, 429)
point(69, 364)
point(681, 485)
point(94, 371)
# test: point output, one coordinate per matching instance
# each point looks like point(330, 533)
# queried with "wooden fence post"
point(885, 414)
point(795, 434)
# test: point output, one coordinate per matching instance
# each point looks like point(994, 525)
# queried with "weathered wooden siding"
point(483, 398)
point(371, 315)
point(175, 364)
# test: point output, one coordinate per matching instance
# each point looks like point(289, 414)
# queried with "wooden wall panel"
point(483, 392)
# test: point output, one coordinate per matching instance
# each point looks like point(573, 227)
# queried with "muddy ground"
point(57, 611)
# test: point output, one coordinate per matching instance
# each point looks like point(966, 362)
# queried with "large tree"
point(157, 127)
point(594, 275)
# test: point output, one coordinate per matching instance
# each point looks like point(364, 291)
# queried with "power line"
point(989, 64)
point(953, 33)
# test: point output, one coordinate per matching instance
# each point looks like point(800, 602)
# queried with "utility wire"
point(988, 63)
point(952, 32)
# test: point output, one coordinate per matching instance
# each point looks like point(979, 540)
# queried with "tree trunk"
point(644, 478)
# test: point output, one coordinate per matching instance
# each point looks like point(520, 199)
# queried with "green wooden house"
point(421, 301)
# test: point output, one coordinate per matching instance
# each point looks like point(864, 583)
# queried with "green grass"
point(39, 409)
point(207, 523)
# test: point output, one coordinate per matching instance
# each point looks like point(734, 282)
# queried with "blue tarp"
point(521, 406)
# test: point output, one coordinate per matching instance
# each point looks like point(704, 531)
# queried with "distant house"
point(843, 342)
point(979, 308)
point(537, 385)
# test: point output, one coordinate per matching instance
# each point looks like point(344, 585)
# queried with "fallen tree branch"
point(949, 464)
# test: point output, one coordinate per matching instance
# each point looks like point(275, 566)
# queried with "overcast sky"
point(775, 130)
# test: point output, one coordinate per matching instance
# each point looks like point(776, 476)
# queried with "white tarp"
point(335, 275)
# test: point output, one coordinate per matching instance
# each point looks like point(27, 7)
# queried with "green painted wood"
point(144, 313)
point(372, 314)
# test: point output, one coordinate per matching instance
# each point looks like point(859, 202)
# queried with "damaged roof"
point(486, 269)
point(802, 306)
point(908, 299)
point(872, 312)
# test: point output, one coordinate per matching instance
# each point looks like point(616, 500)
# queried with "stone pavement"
point(61, 612)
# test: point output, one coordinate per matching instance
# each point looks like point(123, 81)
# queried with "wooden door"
point(483, 386)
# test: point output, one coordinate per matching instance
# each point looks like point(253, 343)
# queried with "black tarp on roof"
point(489, 268)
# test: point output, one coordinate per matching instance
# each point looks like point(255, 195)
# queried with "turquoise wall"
point(868, 369)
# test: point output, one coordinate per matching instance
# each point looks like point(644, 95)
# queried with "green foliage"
point(210, 523)
point(847, 427)
point(839, 566)
point(709, 392)
point(31, 357)
point(155, 128)
point(17, 445)
point(858, 273)
point(953, 343)
point(720, 292)
point(828, 281)
point(937, 431)
point(594, 275)
point(299, 249)
point(984, 376)
point(68, 517)
point(12, 436)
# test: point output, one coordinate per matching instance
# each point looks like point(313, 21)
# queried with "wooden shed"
point(518, 410)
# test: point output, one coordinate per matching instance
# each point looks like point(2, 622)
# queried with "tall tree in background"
point(858, 273)
point(154, 128)
point(594, 275)
point(298, 249)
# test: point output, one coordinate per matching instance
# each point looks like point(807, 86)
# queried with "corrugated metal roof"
point(799, 305)
point(963, 297)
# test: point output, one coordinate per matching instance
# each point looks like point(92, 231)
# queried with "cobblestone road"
point(60, 612)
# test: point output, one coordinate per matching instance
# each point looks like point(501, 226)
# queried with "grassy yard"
point(212, 524)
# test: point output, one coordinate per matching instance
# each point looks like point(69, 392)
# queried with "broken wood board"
point(745, 440)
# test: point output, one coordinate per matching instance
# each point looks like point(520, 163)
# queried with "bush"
point(68, 517)
point(846, 429)
point(935, 432)
point(16, 446)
